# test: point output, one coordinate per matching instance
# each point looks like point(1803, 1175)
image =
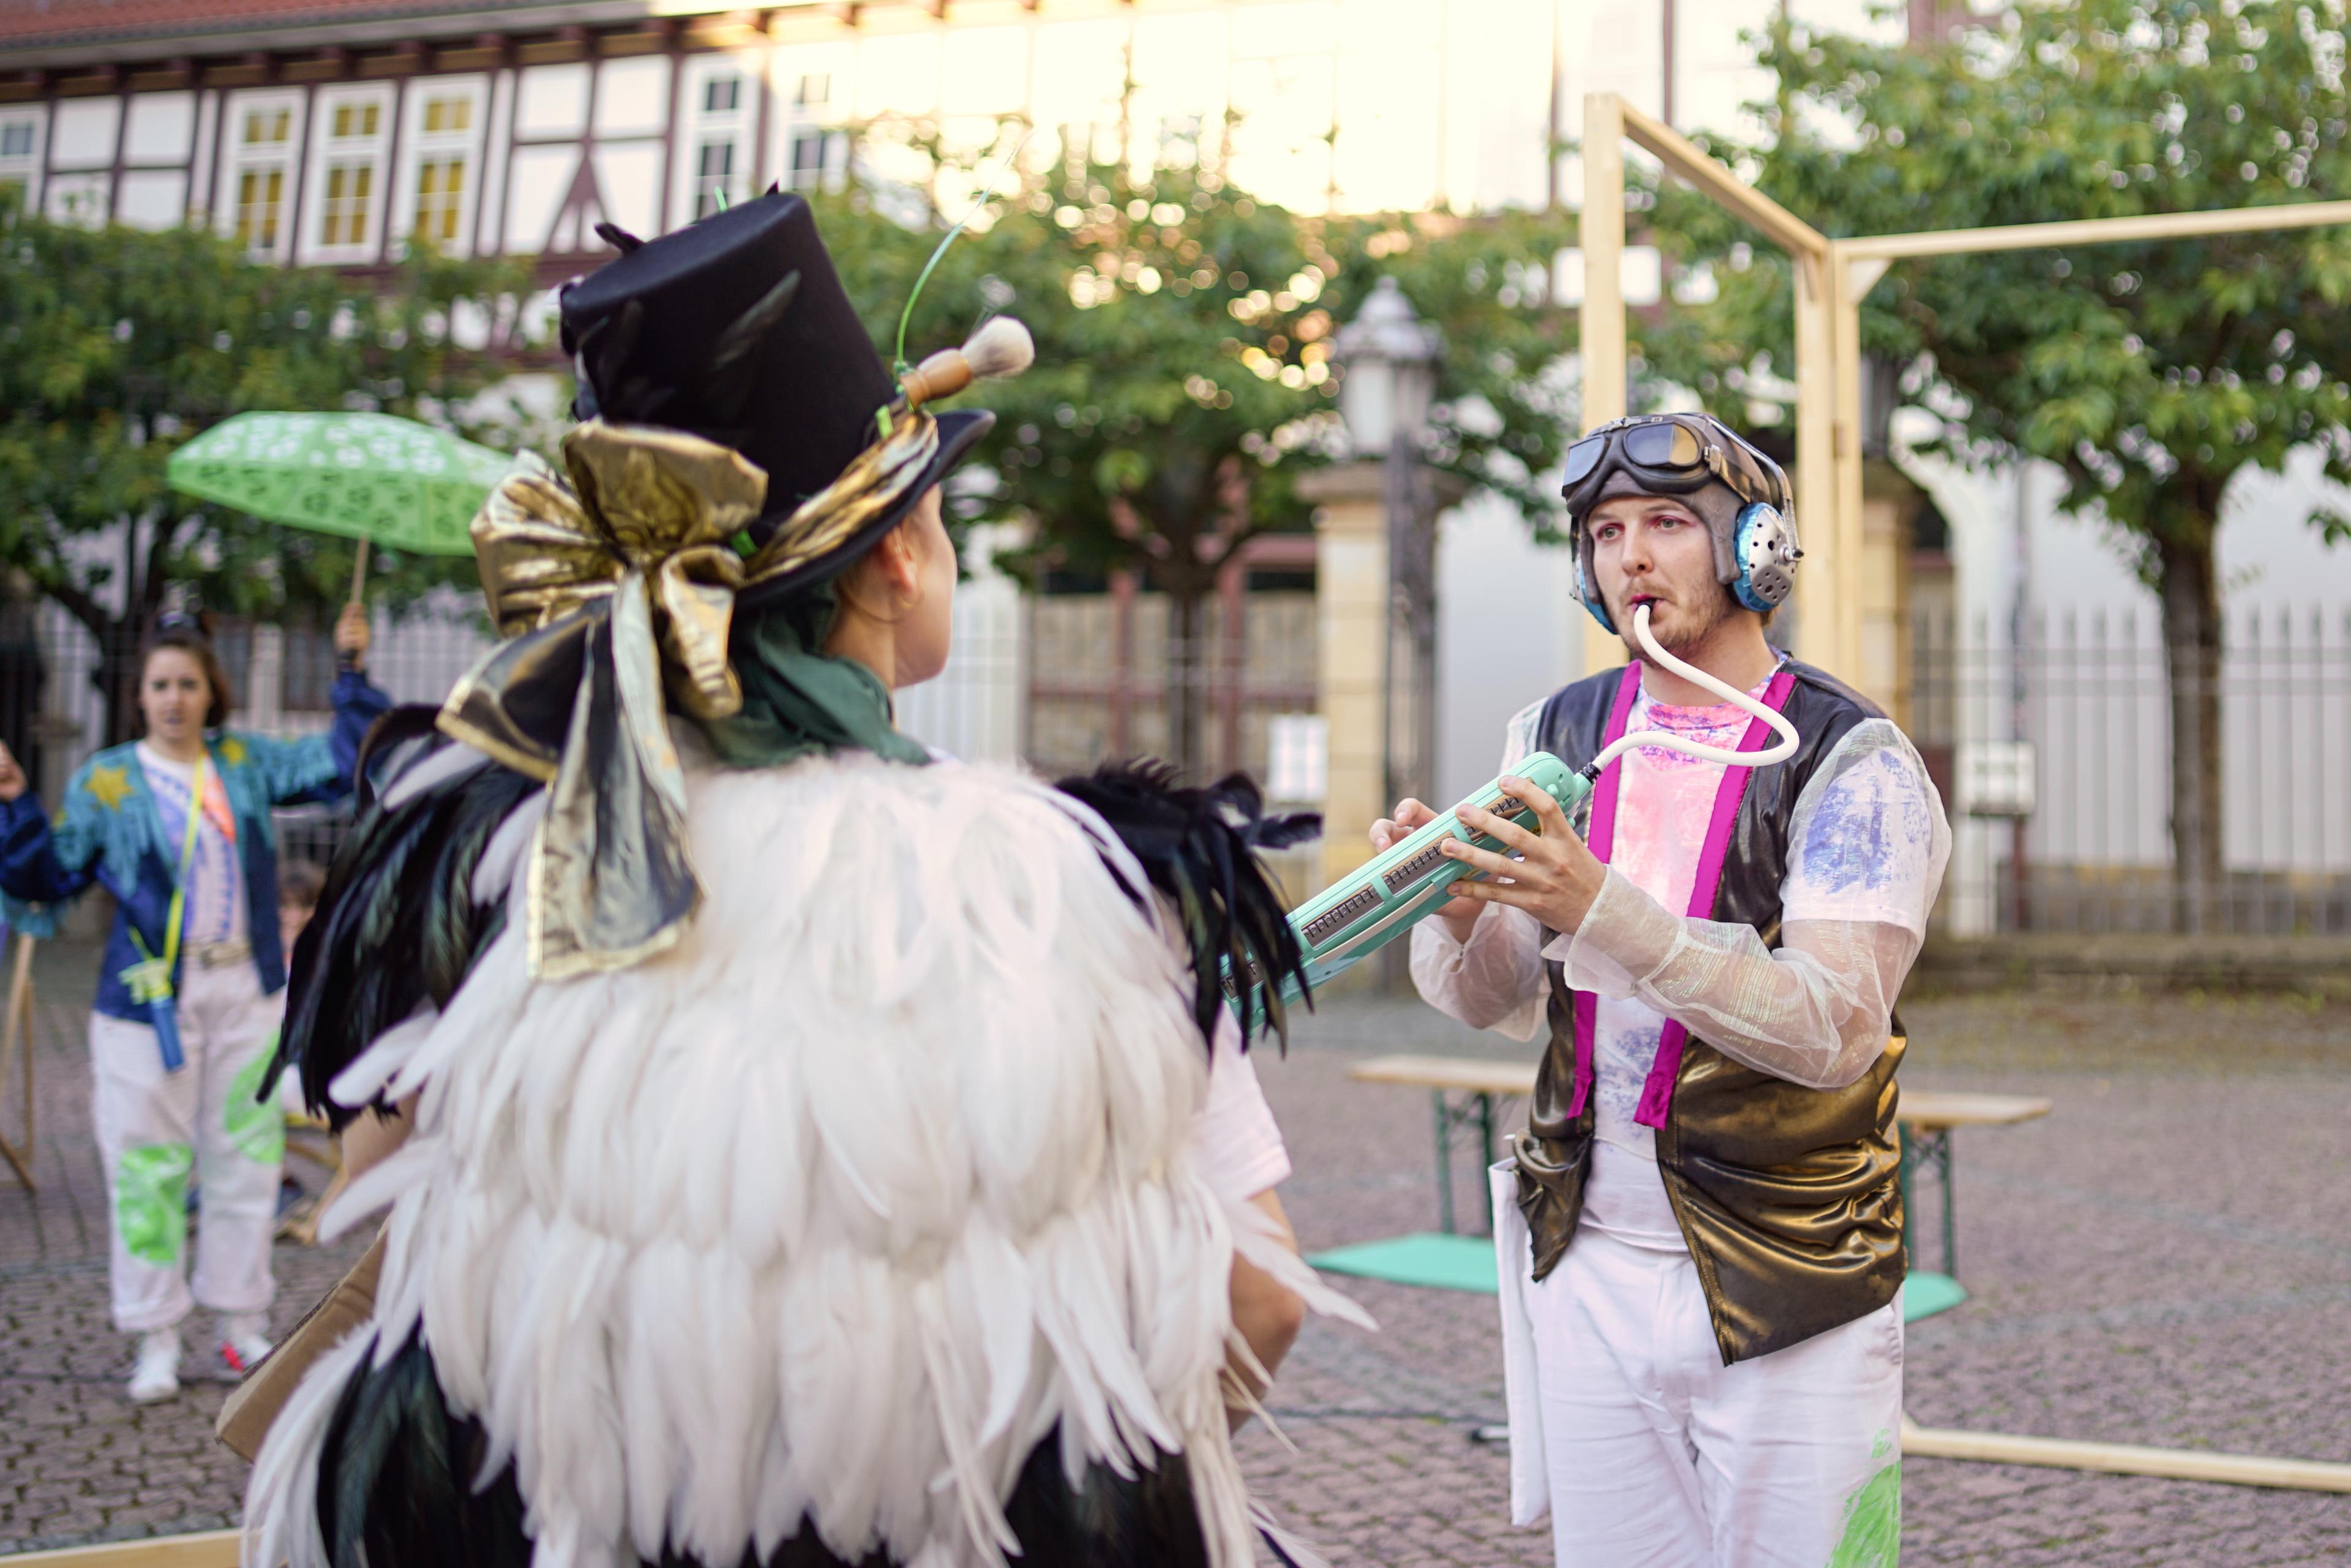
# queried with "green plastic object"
point(1363, 913)
point(1440, 1262)
point(1467, 1263)
point(395, 483)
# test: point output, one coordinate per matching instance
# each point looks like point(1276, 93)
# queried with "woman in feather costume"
point(812, 1155)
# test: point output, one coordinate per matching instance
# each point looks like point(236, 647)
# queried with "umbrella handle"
point(358, 571)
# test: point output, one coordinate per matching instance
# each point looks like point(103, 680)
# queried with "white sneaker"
point(157, 1375)
point(244, 1339)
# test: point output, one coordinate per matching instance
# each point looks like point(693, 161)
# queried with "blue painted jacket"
point(109, 833)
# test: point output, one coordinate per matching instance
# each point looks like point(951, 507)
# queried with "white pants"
point(1658, 1456)
point(155, 1128)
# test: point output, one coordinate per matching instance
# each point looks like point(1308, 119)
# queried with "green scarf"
point(799, 699)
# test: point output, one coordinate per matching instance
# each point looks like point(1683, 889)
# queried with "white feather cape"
point(832, 1211)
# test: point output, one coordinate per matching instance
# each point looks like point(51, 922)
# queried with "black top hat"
point(737, 329)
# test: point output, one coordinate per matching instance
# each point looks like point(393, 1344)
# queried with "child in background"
point(299, 884)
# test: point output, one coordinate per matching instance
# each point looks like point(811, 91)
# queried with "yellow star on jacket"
point(110, 785)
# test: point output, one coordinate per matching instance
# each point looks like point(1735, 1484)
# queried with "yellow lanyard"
point(150, 979)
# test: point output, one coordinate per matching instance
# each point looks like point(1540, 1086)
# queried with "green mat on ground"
point(1467, 1263)
point(1925, 1294)
point(1447, 1262)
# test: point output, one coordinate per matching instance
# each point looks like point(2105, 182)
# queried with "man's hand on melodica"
point(1555, 876)
point(1411, 816)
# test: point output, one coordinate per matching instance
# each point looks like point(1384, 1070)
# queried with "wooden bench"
point(1927, 1115)
point(1481, 1081)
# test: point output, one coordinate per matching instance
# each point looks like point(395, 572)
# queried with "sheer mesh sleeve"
point(1494, 981)
point(1868, 845)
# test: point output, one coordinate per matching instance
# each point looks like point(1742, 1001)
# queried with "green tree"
point(118, 344)
point(1184, 375)
point(2150, 373)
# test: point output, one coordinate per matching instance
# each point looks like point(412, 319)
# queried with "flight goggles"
point(1671, 454)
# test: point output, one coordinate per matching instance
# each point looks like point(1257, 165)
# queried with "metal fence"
point(2088, 691)
point(53, 716)
point(2091, 694)
point(1104, 675)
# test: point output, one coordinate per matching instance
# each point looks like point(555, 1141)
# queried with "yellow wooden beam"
point(1601, 235)
point(213, 1549)
point(2123, 1459)
point(1600, 320)
point(1682, 157)
point(2100, 231)
point(1832, 279)
point(1828, 623)
point(1821, 606)
point(1846, 562)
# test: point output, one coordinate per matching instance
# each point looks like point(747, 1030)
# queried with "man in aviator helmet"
point(1705, 1211)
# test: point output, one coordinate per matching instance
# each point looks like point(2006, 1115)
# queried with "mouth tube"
point(1784, 749)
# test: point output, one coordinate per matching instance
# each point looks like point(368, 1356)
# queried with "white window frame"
point(799, 120)
point(370, 150)
point(699, 127)
point(80, 196)
point(27, 168)
point(284, 157)
point(832, 157)
point(417, 144)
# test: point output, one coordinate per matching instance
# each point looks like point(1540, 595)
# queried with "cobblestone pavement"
point(78, 1462)
point(2166, 1259)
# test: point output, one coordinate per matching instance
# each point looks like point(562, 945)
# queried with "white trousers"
point(1658, 1456)
point(155, 1128)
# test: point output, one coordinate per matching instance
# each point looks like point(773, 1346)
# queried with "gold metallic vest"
point(1789, 1198)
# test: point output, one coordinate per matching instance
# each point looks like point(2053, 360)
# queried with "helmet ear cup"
point(1763, 543)
point(1585, 589)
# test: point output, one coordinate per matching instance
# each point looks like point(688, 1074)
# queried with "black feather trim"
point(380, 747)
point(733, 371)
point(1200, 847)
point(619, 238)
point(397, 1469)
point(396, 926)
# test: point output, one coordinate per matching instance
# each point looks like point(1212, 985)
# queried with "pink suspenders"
point(1658, 1092)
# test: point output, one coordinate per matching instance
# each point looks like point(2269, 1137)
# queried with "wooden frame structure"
point(1833, 277)
point(211, 1548)
point(16, 1049)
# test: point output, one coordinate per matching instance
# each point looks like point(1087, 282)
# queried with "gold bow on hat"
point(611, 590)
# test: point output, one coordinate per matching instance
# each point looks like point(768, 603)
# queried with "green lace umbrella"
point(367, 477)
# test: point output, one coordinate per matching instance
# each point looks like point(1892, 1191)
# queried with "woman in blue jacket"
point(177, 827)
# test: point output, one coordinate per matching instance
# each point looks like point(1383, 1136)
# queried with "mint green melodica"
point(1365, 911)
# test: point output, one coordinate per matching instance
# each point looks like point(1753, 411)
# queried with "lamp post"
point(1387, 358)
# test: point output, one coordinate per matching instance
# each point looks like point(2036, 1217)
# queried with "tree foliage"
point(2150, 373)
point(119, 344)
point(1185, 376)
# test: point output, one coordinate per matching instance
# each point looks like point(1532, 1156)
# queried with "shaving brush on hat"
point(1001, 347)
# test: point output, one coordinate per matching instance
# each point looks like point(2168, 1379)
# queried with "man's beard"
point(1686, 632)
